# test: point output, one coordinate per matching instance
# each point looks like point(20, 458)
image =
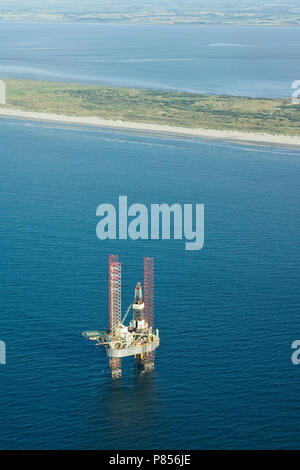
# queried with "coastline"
point(246, 137)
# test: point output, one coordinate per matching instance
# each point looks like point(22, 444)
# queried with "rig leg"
point(115, 365)
point(138, 360)
point(148, 361)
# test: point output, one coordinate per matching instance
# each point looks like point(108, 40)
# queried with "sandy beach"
point(259, 138)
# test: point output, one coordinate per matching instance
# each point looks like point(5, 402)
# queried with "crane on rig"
point(137, 339)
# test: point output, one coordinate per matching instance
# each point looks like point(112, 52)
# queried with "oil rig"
point(138, 338)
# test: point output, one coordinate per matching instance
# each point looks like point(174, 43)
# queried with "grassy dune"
point(273, 116)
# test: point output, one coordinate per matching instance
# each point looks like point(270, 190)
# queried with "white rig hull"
point(132, 351)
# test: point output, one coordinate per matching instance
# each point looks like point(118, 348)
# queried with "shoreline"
point(237, 136)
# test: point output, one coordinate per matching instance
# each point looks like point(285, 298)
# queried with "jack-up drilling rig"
point(138, 339)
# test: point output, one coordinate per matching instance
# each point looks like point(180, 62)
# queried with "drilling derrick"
point(114, 269)
point(149, 307)
point(138, 306)
point(138, 320)
point(138, 339)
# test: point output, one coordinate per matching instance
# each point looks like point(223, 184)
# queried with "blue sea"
point(227, 314)
point(233, 60)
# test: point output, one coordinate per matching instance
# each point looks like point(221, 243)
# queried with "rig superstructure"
point(137, 339)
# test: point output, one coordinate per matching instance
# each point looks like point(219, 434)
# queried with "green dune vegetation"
point(192, 110)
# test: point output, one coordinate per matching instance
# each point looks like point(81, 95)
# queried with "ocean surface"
point(227, 314)
point(235, 60)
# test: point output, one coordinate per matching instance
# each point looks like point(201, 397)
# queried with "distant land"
point(261, 120)
point(255, 12)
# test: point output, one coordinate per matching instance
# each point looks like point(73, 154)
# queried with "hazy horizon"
point(201, 11)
